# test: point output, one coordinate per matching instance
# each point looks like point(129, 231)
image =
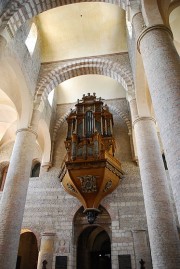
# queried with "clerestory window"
point(31, 39)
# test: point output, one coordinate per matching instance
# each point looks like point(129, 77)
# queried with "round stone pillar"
point(46, 250)
point(163, 235)
point(162, 67)
point(14, 193)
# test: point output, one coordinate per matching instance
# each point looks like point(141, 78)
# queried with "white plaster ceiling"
point(80, 30)
point(72, 89)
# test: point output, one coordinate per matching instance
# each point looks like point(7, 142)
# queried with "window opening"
point(31, 39)
point(35, 170)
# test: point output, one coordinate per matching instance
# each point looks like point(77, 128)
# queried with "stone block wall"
point(50, 209)
point(3, 3)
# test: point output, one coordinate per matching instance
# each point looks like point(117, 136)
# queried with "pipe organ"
point(90, 171)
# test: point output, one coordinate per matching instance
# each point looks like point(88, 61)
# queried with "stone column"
point(14, 193)
point(162, 67)
point(141, 248)
point(46, 250)
point(163, 235)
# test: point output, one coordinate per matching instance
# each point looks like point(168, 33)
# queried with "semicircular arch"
point(85, 66)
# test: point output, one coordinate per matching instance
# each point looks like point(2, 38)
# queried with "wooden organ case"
point(90, 171)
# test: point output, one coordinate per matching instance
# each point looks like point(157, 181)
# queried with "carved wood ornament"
point(90, 171)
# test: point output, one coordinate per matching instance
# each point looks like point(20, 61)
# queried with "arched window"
point(3, 177)
point(89, 123)
point(35, 169)
point(31, 39)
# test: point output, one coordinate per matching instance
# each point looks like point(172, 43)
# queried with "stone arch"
point(85, 66)
point(80, 223)
point(151, 12)
point(174, 4)
point(34, 231)
point(99, 66)
point(44, 140)
point(157, 11)
point(95, 245)
point(57, 126)
point(123, 116)
point(28, 250)
point(62, 119)
point(18, 12)
point(166, 7)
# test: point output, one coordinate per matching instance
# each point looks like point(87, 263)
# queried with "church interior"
point(89, 134)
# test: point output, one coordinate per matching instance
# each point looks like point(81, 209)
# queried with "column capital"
point(151, 28)
point(27, 130)
point(143, 119)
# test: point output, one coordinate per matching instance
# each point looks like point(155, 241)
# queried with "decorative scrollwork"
point(71, 188)
point(113, 169)
point(88, 183)
point(108, 186)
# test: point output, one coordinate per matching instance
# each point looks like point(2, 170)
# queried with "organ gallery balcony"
point(90, 171)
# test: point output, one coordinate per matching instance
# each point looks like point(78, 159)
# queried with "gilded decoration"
point(71, 188)
point(88, 183)
point(107, 186)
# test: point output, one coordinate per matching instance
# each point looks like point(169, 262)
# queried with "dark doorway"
point(35, 170)
point(27, 252)
point(94, 249)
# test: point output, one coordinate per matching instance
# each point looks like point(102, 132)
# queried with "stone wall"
point(50, 209)
point(30, 64)
point(3, 3)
